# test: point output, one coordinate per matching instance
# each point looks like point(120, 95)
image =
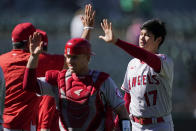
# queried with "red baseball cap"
point(78, 46)
point(22, 31)
point(44, 37)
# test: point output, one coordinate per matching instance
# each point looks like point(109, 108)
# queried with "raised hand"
point(89, 17)
point(35, 46)
point(107, 28)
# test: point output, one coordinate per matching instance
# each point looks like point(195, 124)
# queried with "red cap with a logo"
point(22, 31)
point(44, 37)
point(78, 46)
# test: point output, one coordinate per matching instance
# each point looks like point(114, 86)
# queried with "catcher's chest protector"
point(75, 94)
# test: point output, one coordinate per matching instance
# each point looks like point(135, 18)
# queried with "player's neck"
point(153, 50)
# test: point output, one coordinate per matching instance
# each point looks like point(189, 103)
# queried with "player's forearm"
point(30, 81)
point(33, 61)
point(86, 34)
point(151, 59)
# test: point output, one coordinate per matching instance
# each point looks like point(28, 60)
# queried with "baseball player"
point(148, 79)
point(2, 97)
point(82, 93)
point(19, 104)
point(47, 115)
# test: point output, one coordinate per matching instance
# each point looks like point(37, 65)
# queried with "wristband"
point(125, 125)
point(88, 27)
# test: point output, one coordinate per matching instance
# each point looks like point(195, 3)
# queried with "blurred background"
point(60, 19)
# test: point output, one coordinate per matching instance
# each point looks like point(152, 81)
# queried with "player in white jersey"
point(148, 79)
point(2, 97)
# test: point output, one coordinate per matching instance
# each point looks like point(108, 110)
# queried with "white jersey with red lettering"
point(150, 91)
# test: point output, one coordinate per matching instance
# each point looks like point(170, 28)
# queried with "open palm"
point(107, 28)
point(89, 17)
point(35, 46)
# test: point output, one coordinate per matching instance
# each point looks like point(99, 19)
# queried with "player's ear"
point(159, 39)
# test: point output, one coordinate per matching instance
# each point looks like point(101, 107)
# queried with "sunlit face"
point(147, 40)
point(77, 63)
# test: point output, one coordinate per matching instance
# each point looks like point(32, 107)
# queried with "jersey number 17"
point(152, 94)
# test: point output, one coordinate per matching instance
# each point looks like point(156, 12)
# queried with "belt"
point(146, 121)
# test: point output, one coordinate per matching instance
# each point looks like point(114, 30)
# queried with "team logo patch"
point(69, 43)
point(118, 93)
point(77, 92)
point(68, 51)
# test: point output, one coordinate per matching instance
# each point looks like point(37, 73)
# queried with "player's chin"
point(72, 69)
point(142, 46)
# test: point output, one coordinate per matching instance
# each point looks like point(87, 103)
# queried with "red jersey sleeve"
point(151, 59)
point(30, 81)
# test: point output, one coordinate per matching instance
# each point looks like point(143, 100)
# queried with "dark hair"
point(157, 27)
point(19, 45)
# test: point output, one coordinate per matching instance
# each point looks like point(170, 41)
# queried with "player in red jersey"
point(19, 104)
point(13, 65)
